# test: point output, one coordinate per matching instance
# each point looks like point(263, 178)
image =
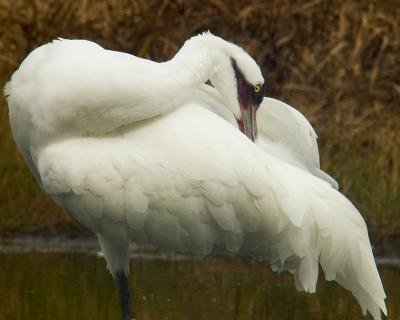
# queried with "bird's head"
point(231, 70)
point(240, 83)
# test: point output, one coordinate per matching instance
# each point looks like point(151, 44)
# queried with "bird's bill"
point(248, 123)
point(249, 100)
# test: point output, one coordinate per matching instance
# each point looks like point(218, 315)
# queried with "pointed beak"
point(248, 123)
point(249, 99)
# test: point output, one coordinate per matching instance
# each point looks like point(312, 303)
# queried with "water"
point(76, 285)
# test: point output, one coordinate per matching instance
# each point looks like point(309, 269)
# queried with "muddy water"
point(64, 285)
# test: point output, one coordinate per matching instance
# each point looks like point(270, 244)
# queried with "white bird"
point(119, 143)
point(284, 132)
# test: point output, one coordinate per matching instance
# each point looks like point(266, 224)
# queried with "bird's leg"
point(123, 293)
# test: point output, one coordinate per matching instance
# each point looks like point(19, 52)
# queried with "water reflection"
point(77, 286)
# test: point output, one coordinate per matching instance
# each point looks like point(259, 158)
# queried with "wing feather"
point(278, 212)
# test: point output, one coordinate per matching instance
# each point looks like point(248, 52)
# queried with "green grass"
point(364, 180)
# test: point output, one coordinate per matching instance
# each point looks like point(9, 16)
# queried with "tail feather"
point(349, 259)
point(332, 233)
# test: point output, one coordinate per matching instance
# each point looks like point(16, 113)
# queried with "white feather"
point(283, 131)
point(292, 214)
point(183, 179)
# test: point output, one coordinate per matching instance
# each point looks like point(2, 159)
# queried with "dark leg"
point(123, 293)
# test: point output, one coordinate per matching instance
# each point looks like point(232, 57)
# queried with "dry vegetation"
point(337, 61)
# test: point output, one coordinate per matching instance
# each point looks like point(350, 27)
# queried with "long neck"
point(174, 81)
point(120, 89)
point(163, 87)
point(196, 62)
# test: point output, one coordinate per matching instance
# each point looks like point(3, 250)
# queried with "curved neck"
point(196, 62)
point(129, 90)
point(172, 82)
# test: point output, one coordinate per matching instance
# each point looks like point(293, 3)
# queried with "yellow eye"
point(257, 88)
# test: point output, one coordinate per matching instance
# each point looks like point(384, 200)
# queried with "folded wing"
point(283, 131)
point(199, 191)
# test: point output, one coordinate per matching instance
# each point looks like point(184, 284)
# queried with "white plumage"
point(128, 148)
point(283, 132)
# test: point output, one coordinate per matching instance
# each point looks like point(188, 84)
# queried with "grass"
point(337, 61)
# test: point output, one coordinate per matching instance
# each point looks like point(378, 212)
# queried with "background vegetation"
point(337, 61)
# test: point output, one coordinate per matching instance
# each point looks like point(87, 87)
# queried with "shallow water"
point(68, 285)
